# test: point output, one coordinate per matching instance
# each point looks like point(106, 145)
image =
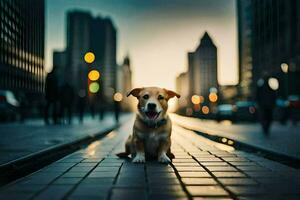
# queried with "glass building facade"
point(22, 45)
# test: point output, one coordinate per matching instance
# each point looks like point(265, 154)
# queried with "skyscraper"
point(269, 37)
point(22, 27)
point(78, 43)
point(245, 20)
point(124, 82)
point(203, 67)
point(88, 34)
point(182, 87)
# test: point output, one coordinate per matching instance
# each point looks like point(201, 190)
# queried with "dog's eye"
point(160, 97)
point(146, 96)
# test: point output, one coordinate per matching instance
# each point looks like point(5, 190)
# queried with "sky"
point(156, 34)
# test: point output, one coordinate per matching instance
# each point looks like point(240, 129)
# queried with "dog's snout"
point(151, 106)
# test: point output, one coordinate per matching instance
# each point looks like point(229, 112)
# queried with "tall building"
point(22, 28)
point(203, 67)
point(182, 88)
point(124, 82)
point(88, 34)
point(244, 8)
point(78, 43)
point(59, 64)
point(273, 26)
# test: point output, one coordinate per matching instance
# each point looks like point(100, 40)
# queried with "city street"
point(202, 169)
point(283, 139)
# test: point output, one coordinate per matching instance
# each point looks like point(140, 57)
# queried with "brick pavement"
point(202, 170)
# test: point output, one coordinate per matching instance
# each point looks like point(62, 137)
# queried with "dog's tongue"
point(151, 114)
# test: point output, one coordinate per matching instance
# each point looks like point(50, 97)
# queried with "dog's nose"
point(151, 106)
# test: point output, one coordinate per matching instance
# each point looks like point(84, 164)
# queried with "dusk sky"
point(156, 34)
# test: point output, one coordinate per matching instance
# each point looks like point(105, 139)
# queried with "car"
point(245, 111)
point(225, 112)
point(9, 106)
point(294, 108)
point(281, 110)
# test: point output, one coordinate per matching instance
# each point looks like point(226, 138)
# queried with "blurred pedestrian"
point(66, 102)
point(117, 111)
point(51, 92)
point(81, 104)
point(102, 108)
point(266, 99)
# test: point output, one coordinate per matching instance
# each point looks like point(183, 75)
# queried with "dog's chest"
point(153, 140)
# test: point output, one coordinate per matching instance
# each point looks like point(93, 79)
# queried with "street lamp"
point(273, 83)
point(284, 68)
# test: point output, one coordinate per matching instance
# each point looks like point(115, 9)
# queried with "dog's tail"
point(123, 155)
point(126, 153)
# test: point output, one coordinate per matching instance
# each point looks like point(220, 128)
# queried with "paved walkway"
point(202, 170)
point(18, 140)
point(282, 139)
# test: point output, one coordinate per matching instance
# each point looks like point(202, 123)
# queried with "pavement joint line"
point(76, 185)
point(50, 183)
point(147, 183)
point(181, 182)
point(231, 194)
point(114, 182)
point(26, 165)
point(116, 177)
point(285, 159)
point(238, 168)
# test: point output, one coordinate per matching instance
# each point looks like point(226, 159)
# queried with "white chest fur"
point(152, 141)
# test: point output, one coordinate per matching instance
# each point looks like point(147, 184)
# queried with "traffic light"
point(93, 75)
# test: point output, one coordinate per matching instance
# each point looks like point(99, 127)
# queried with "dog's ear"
point(135, 92)
point(171, 94)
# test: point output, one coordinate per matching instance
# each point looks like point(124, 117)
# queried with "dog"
point(151, 137)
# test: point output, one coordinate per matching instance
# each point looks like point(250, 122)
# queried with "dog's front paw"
point(139, 158)
point(163, 158)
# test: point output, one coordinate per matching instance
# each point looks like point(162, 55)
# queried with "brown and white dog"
point(151, 136)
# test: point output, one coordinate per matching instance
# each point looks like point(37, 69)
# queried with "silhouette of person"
point(51, 93)
point(81, 104)
point(66, 102)
point(265, 98)
point(102, 108)
point(117, 110)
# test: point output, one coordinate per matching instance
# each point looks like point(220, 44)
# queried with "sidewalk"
point(19, 140)
point(282, 139)
point(202, 170)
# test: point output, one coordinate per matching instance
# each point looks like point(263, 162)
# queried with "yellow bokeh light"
point(196, 99)
point(94, 75)
point(118, 97)
point(205, 110)
point(213, 97)
point(224, 140)
point(230, 142)
point(89, 57)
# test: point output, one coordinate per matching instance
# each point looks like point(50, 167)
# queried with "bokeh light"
point(213, 97)
point(205, 110)
point(284, 67)
point(118, 97)
point(94, 75)
point(94, 87)
point(196, 99)
point(89, 57)
point(273, 83)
